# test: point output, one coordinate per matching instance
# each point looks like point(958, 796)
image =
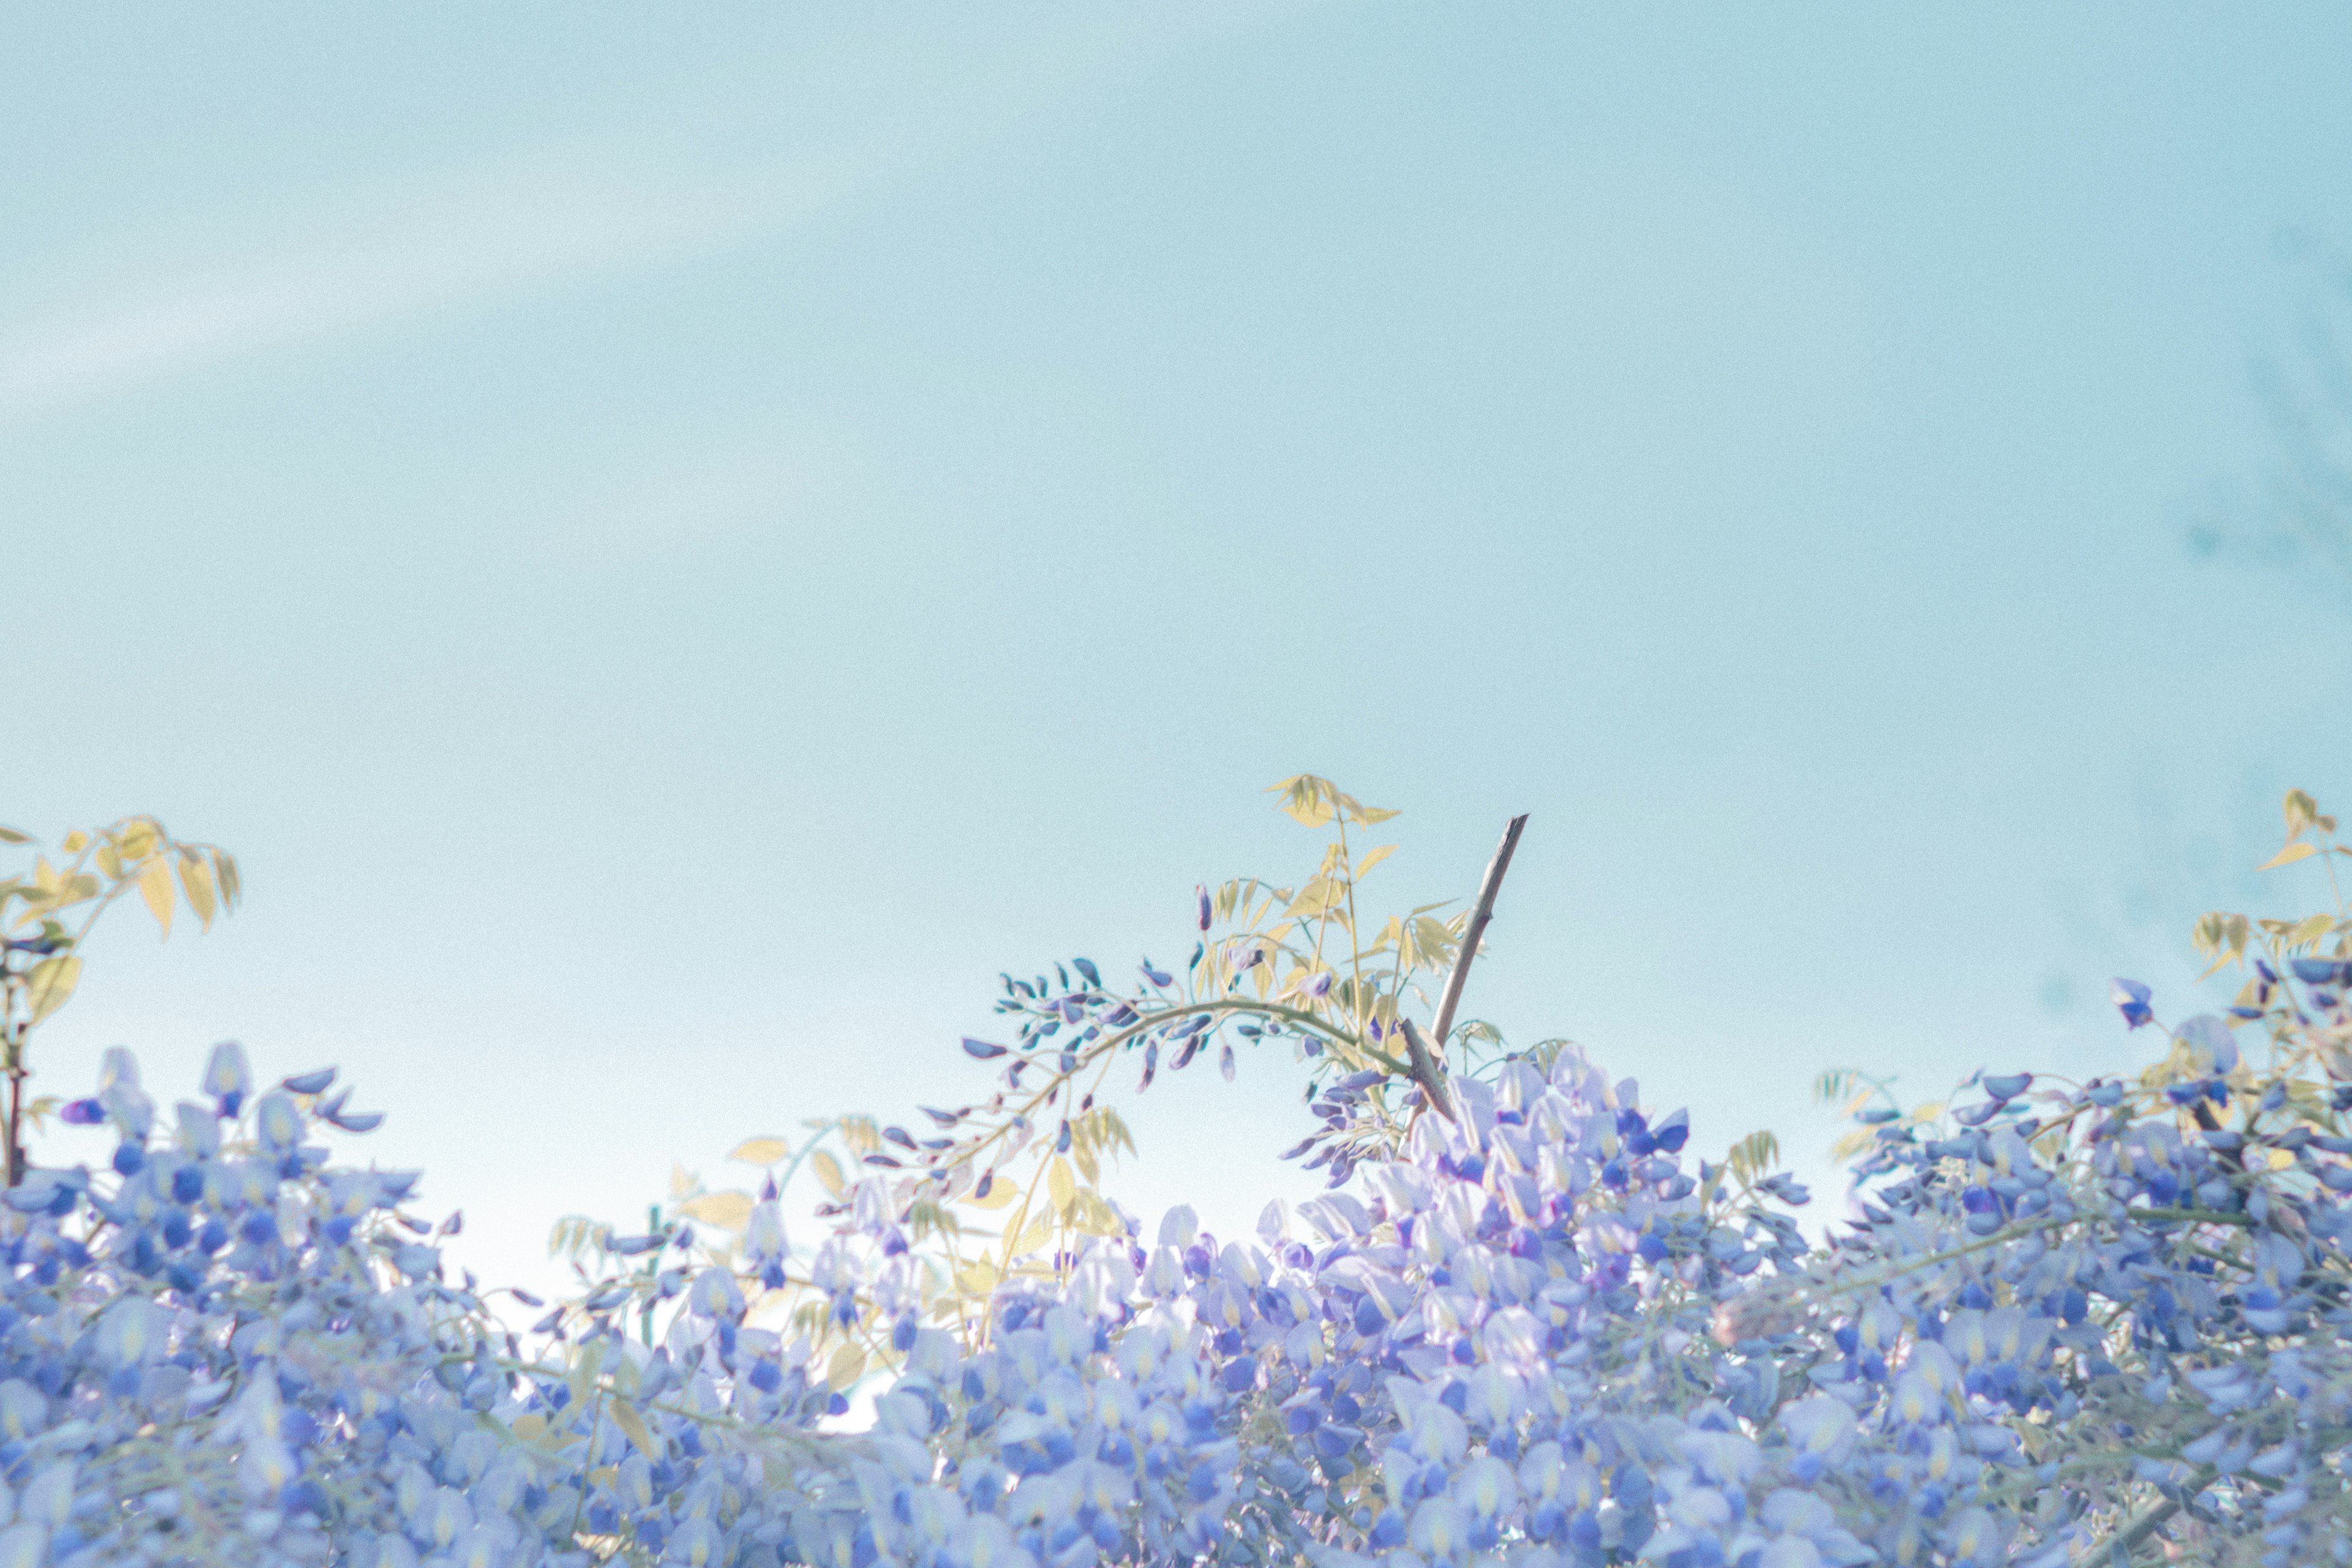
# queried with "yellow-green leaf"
point(155, 887)
point(1374, 856)
point(761, 1151)
point(828, 1170)
point(999, 1194)
point(1112, 1135)
point(1319, 897)
point(728, 1211)
point(847, 1366)
point(10, 836)
point(1312, 812)
point(1096, 1217)
point(196, 879)
point(2289, 856)
point(624, 1416)
point(2301, 811)
point(1060, 1185)
point(583, 1375)
point(50, 983)
point(1754, 1155)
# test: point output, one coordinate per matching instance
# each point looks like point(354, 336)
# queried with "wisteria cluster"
point(1532, 1336)
point(1501, 1344)
point(2070, 1322)
point(2106, 1313)
point(2064, 1324)
point(223, 1348)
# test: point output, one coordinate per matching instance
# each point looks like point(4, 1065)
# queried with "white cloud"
point(400, 255)
point(383, 256)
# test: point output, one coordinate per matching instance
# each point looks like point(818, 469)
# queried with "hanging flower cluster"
point(2066, 1323)
point(1482, 1348)
point(223, 1348)
point(2070, 1322)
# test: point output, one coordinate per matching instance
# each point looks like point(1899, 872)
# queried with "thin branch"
point(1479, 915)
point(1425, 1071)
point(2130, 1537)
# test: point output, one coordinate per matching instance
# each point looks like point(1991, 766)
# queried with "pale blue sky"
point(675, 542)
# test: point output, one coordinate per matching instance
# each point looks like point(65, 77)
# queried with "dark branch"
point(1425, 1070)
point(1482, 911)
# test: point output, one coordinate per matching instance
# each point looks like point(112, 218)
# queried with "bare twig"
point(1426, 1068)
point(1425, 1071)
point(1482, 911)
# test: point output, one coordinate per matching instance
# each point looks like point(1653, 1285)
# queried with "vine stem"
point(12, 1060)
point(1305, 1022)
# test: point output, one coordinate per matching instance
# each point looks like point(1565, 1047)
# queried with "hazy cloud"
point(593, 208)
point(483, 236)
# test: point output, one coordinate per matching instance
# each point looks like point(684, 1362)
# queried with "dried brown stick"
point(1480, 914)
point(1420, 1059)
point(1425, 1070)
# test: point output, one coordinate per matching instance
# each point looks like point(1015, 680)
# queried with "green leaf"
point(51, 981)
point(2289, 856)
point(624, 1416)
point(10, 836)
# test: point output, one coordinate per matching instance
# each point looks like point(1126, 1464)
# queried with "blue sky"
point(677, 544)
